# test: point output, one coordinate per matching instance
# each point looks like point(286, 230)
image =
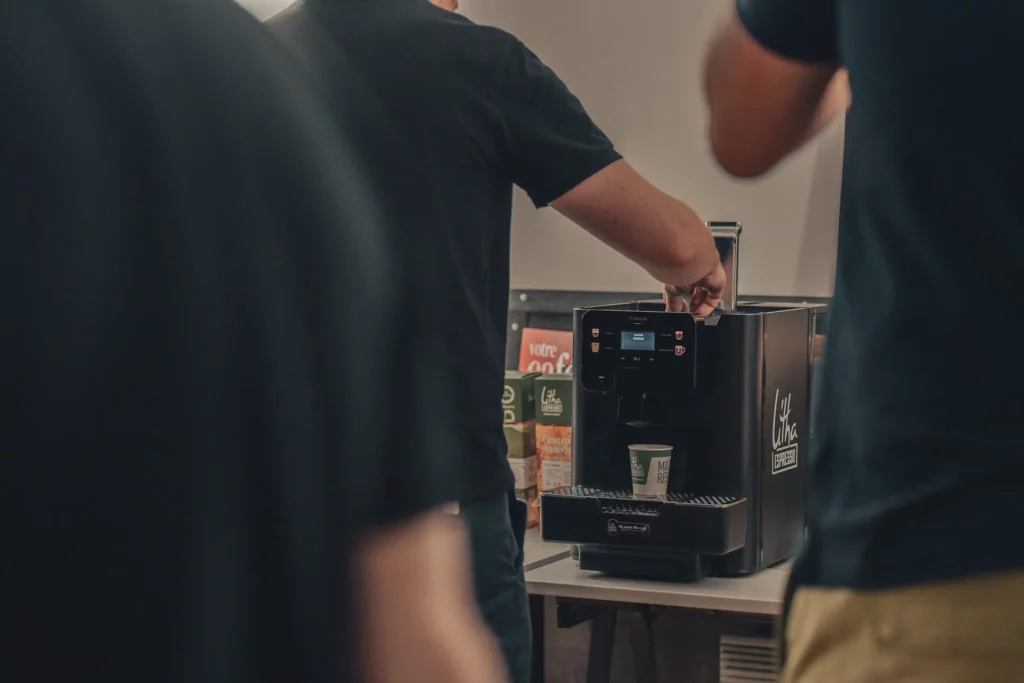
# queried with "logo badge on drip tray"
point(614, 527)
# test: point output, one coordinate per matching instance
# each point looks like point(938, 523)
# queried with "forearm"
point(450, 649)
point(691, 252)
point(418, 618)
point(658, 232)
point(762, 107)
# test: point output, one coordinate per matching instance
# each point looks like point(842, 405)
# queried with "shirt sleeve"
point(414, 470)
point(551, 144)
point(803, 30)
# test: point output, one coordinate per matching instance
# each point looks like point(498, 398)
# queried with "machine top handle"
point(727, 241)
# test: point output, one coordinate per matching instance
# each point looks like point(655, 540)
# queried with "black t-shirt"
point(452, 114)
point(201, 365)
point(918, 469)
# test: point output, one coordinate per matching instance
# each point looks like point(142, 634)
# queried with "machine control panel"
point(638, 351)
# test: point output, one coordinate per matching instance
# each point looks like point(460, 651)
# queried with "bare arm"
point(561, 158)
point(417, 612)
point(763, 106)
point(657, 231)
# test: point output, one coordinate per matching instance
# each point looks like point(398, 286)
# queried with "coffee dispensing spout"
point(727, 241)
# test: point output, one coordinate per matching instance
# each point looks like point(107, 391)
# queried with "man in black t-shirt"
point(913, 568)
point(451, 115)
point(203, 477)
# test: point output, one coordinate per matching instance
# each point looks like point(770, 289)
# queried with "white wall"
point(636, 67)
point(264, 9)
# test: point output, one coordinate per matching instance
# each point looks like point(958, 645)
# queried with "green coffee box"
point(553, 399)
point(522, 454)
point(522, 439)
point(517, 401)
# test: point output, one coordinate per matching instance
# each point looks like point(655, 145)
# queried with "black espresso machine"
point(730, 394)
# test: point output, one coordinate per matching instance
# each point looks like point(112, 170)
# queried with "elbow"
point(741, 163)
point(670, 261)
point(743, 167)
point(684, 253)
point(740, 157)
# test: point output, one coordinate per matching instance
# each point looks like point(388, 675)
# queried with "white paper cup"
point(650, 465)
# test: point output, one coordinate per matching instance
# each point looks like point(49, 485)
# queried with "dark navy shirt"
point(918, 472)
point(200, 354)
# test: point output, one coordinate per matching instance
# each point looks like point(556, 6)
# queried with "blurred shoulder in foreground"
point(198, 361)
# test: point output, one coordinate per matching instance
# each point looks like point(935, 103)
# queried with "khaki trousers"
point(969, 631)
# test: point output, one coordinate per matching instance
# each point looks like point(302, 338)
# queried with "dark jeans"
point(497, 527)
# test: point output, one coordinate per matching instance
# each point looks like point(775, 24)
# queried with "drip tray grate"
point(619, 499)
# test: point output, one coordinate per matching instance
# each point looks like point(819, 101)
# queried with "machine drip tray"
point(703, 524)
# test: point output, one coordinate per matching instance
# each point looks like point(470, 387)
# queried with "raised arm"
point(561, 158)
point(772, 82)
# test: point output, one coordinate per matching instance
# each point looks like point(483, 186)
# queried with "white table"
point(760, 595)
point(538, 553)
point(757, 594)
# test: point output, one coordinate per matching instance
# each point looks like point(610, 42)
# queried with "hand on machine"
point(703, 295)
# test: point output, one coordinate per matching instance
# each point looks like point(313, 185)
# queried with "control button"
point(636, 359)
point(595, 347)
point(650, 358)
point(680, 350)
point(679, 335)
point(597, 333)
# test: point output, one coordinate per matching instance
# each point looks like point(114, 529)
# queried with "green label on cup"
point(650, 465)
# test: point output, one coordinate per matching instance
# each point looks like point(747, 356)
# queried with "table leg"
point(641, 641)
point(537, 638)
point(602, 642)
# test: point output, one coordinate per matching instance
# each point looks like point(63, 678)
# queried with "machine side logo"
point(616, 528)
point(784, 436)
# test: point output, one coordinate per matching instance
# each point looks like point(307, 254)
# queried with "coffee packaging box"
point(553, 395)
point(517, 401)
point(533, 512)
point(522, 457)
point(554, 431)
point(554, 456)
point(522, 454)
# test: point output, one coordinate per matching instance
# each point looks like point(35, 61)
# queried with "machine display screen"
point(637, 340)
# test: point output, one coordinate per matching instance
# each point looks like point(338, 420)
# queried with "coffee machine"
point(730, 393)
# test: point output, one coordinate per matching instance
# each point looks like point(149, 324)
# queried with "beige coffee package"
point(518, 404)
point(554, 431)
